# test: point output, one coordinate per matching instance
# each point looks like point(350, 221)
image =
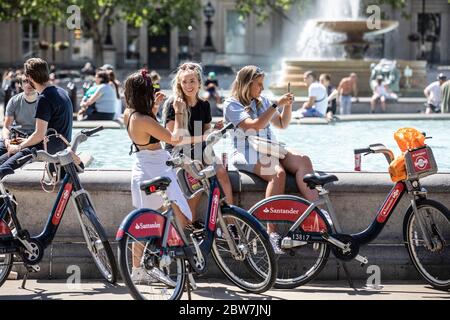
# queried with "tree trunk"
point(98, 47)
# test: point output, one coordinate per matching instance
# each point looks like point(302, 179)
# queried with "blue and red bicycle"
point(16, 241)
point(156, 255)
point(308, 234)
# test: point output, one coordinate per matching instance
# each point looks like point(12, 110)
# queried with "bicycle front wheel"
point(433, 263)
point(6, 262)
point(99, 246)
point(139, 264)
point(253, 266)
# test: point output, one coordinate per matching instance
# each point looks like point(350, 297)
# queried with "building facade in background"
point(236, 42)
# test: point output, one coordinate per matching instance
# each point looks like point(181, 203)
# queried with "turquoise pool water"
point(330, 147)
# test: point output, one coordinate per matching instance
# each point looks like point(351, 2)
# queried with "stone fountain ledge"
point(356, 197)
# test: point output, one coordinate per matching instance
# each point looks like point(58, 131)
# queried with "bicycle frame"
point(153, 224)
point(70, 188)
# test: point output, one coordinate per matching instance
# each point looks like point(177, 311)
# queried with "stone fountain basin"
point(356, 28)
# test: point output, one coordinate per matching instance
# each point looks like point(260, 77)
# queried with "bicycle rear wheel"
point(254, 251)
point(99, 246)
point(300, 265)
point(144, 279)
point(432, 264)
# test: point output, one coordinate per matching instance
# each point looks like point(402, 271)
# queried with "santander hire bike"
point(155, 242)
point(308, 234)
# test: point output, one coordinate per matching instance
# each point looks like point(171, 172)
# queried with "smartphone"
point(289, 87)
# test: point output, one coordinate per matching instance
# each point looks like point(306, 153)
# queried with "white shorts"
point(150, 164)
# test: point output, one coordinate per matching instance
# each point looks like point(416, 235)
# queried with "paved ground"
point(211, 290)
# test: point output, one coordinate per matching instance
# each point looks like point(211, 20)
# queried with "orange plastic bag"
point(409, 138)
point(397, 169)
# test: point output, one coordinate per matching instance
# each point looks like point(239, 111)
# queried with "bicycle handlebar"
point(377, 148)
point(188, 164)
point(43, 156)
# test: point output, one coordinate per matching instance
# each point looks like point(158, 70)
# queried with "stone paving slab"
point(213, 290)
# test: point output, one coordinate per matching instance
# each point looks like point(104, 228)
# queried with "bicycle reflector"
point(4, 229)
point(152, 189)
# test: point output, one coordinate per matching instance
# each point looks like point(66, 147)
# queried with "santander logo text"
point(142, 226)
point(280, 211)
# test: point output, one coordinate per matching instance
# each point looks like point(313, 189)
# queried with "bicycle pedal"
point(33, 268)
point(362, 260)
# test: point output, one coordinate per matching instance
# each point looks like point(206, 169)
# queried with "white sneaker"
point(275, 240)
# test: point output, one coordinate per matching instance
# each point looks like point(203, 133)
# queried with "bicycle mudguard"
point(282, 209)
point(146, 224)
point(257, 224)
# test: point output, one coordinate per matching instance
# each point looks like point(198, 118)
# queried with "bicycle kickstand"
point(35, 268)
point(24, 280)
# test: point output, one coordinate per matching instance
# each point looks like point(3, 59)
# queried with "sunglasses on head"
point(186, 66)
point(258, 72)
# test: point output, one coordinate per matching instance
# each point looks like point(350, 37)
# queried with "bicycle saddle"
point(155, 184)
point(313, 179)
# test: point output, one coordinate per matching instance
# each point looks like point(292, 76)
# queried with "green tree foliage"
point(96, 14)
point(262, 9)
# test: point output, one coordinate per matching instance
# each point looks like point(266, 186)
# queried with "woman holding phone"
point(253, 114)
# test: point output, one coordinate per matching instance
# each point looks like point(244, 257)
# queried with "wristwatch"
point(274, 105)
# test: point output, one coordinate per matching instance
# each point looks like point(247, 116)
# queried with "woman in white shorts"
point(150, 162)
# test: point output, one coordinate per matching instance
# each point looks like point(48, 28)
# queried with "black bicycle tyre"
point(407, 224)
point(4, 275)
point(254, 224)
point(98, 228)
point(125, 274)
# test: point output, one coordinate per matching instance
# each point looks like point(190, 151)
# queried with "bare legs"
point(373, 103)
point(275, 175)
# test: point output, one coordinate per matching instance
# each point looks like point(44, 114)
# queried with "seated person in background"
point(434, 94)
point(101, 105)
point(54, 110)
point(317, 103)
point(332, 92)
point(381, 92)
point(20, 111)
point(212, 87)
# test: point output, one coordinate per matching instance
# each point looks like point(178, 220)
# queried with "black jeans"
point(8, 164)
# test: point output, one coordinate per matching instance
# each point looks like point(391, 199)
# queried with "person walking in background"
point(20, 111)
point(346, 87)
point(433, 94)
point(332, 92)
point(317, 103)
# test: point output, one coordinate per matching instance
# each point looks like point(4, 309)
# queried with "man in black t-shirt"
point(54, 110)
